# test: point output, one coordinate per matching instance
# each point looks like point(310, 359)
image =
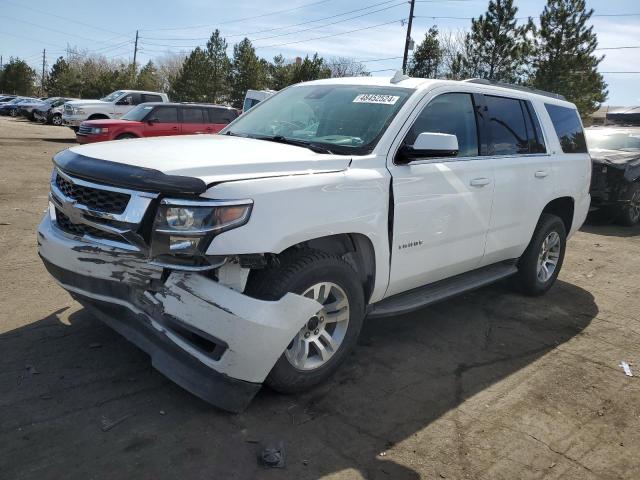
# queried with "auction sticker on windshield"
point(376, 98)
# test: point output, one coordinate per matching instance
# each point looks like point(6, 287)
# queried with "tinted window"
point(165, 114)
point(150, 98)
point(534, 132)
point(193, 115)
point(568, 127)
point(508, 130)
point(221, 115)
point(451, 113)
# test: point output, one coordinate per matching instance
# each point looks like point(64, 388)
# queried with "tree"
point(279, 73)
point(61, 79)
point(169, 66)
point(220, 67)
point(309, 69)
point(565, 61)
point(191, 83)
point(427, 57)
point(247, 72)
point(496, 47)
point(17, 77)
point(346, 67)
point(148, 78)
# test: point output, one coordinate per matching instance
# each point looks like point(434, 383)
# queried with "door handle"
point(542, 174)
point(480, 182)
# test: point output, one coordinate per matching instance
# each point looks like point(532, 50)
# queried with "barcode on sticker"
point(375, 98)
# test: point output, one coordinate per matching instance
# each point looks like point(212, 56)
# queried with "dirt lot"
point(492, 385)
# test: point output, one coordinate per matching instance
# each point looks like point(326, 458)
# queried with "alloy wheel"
point(548, 256)
point(320, 338)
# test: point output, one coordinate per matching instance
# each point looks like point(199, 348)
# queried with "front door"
point(442, 206)
point(164, 121)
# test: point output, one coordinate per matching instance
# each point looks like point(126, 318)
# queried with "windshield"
point(347, 119)
point(613, 140)
point(137, 114)
point(112, 96)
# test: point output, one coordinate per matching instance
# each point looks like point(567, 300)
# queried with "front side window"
point(566, 123)
point(165, 115)
point(112, 96)
point(452, 113)
point(508, 128)
point(347, 119)
point(193, 115)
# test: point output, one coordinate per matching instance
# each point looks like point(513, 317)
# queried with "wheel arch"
point(563, 207)
point(356, 248)
point(98, 116)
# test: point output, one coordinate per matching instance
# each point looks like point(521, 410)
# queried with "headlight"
point(78, 111)
point(183, 230)
point(99, 130)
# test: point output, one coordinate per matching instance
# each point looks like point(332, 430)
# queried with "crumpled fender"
point(256, 331)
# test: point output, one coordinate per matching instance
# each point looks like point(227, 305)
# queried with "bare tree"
point(169, 66)
point(346, 67)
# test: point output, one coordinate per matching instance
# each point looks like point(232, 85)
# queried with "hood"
point(86, 103)
point(614, 157)
point(215, 158)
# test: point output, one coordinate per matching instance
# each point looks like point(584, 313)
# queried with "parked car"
point(6, 98)
point(26, 109)
point(615, 181)
point(158, 120)
point(51, 112)
point(113, 105)
point(11, 107)
point(253, 256)
point(254, 97)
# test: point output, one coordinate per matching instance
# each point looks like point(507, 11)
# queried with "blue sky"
point(26, 27)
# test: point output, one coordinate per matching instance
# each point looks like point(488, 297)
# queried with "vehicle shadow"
point(600, 224)
point(81, 402)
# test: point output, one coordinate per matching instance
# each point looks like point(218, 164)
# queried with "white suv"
point(255, 255)
point(113, 105)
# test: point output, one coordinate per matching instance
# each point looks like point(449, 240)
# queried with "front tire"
point(629, 214)
point(56, 120)
point(325, 340)
point(539, 266)
point(125, 136)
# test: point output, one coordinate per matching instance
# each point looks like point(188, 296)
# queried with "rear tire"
point(539, 266)
point(629, 214)
point(326, 339)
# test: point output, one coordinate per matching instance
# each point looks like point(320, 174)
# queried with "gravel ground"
point(491, 385)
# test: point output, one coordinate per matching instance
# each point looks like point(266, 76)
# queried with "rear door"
point(164, 122)
point(523, 175)
point(442, 206)
point(194, 120)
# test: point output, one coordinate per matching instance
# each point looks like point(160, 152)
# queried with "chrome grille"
point(84, 129)
point(101, 200)
point(80, 229)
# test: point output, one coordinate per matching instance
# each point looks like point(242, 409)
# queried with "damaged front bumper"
point(214, 341)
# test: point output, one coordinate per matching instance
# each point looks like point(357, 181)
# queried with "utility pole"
point(135, 52)
point(408, 39)
point(44, 61)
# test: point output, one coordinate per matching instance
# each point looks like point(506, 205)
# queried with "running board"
point(435, 292)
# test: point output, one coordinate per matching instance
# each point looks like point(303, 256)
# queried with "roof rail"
point(495, 83)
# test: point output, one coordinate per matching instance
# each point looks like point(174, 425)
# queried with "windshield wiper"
point(314, 147)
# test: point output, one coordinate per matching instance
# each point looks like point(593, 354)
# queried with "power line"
point(241, 19)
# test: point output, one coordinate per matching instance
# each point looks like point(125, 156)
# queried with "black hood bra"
point(127, 176)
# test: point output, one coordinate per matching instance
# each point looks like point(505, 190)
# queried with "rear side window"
point(165, 114)
point(151, 98)
point(508, 128)
point(193, 115)
point(451, 113)
point(221, 115)
point(568, 127)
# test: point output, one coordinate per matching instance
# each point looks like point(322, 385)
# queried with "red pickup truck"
point(158, 119)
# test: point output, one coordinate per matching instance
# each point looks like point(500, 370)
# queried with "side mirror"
point(428, 144)
point(151, 121)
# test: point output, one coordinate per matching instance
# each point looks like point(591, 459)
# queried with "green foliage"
point(148, 78)
point(565, 61)
point(247, 72)
point(427, 57)
point(17, 78)
point(497, 47)
point(60, 79)
point(220, 68)
point(309, 69)
point(191, 83)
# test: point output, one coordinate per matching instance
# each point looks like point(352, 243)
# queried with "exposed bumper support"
point(172, 319)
